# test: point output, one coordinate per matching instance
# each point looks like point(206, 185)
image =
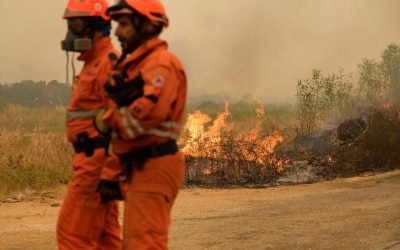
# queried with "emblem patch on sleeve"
point(98, 7)
point(158, 81)
point(137, 109)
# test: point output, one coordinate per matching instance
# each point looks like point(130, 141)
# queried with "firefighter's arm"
point(148, 111)
point(111, 169)
point(109, 187)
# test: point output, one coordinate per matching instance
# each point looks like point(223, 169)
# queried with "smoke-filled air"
point(261, 47)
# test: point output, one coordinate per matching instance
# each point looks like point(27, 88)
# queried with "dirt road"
point(356, 213)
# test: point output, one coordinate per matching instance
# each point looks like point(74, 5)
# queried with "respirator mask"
point(78, 36)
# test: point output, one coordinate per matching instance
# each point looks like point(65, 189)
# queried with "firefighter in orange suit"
point(148, 88)
point(88, 220)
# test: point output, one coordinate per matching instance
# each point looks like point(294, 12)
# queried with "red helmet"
point(86, 8)
point(152, 9)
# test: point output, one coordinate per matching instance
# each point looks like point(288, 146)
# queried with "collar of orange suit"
point(145, 48)
point(98, 46)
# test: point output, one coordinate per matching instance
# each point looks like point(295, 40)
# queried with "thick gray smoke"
point(233, 46)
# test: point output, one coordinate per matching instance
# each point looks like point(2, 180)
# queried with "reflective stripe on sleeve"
point(125, 124)
point(133, 121)
point(82, 114)
point(171, 124)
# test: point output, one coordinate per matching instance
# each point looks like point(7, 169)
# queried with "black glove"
point(122, 90)
point(109, 190)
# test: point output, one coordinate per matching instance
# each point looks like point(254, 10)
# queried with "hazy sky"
point(234, 46)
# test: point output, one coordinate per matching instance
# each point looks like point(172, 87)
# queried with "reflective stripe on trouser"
point(84, 222)
point(149, 196)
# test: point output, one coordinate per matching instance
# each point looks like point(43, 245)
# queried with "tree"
point(320, 96)
point(379, 82)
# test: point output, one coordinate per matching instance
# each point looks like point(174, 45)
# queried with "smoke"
point(260, 47)
point(264, 46)
point(30, 41)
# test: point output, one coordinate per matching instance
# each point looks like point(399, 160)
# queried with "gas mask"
point(77, 39)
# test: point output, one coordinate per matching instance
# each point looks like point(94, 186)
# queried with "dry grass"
point(35, 154)
point(38, 120)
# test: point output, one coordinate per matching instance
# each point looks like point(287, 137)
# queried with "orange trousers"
point(84, 222)
point(149, 196)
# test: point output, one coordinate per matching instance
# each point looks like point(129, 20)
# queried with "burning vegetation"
point(348, 127)
point(343, 127)
point(221, 151)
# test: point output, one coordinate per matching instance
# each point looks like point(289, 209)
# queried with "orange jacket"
point(154, 120)
point(88, 95)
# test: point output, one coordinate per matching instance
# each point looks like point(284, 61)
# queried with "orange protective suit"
point(152, 119)
point(84, 222)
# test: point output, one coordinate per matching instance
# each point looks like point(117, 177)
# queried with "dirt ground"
point(355, 213)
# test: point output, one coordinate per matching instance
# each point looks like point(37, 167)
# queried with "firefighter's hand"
point(122, 90)
point(100, 124)
point(109, 191)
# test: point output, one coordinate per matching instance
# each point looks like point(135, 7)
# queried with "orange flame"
point(386, 105)
point(260, 111)
point(207, 170)
point(208, 142)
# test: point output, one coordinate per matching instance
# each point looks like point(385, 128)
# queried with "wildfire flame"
point(386, 105)
point(205, 140)
point(195, 124)
point(198, 135)
point(207, 170)
point(260, 111)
